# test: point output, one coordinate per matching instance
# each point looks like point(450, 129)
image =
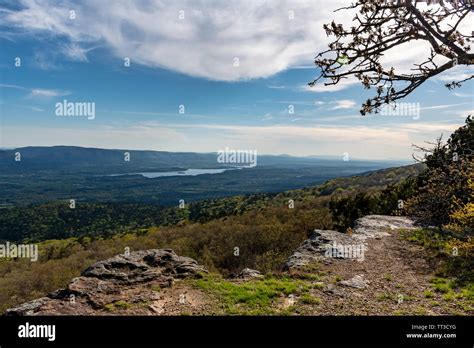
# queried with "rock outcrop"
point(326, 245)
point(114, 280)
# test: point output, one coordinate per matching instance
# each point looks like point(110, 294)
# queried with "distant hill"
point(95, 160)
point(89, 175)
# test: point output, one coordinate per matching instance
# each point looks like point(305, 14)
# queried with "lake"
point(187, 172)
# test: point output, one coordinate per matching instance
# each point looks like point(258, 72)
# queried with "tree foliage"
point(444, 190)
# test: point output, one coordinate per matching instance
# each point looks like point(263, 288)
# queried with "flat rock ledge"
point(327, 245)
point(98, 284)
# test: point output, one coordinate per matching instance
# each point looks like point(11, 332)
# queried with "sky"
point(202, 76)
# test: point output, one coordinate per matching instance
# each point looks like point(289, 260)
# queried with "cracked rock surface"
point(115, 280)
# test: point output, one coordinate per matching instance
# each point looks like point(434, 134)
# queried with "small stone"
point(248, 273)
point(357, 282)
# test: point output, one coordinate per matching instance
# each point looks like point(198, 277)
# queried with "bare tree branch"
point(381, 25)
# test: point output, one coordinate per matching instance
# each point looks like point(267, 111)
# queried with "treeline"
point(442, 195)
point(346, 209)
point(59, 221)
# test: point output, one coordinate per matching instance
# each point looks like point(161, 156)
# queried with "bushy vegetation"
point(347, 208)
point(441, 195)
point(444, 191)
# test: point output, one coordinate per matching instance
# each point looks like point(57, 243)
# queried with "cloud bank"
point(217, 40)
point(212, 39)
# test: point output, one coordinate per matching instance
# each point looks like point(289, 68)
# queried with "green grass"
point(156, 288)
point(384, 296)
point(309, 299)
point(450, 296)
point(122, 305)
point(428, 294)
point(452, 291)
point(319, 285)
point(309, 276)
point(439, 246)
point(441, 285)
point(110, 307)
point(255, 297)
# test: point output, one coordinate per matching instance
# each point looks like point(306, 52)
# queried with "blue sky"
point(183, 53)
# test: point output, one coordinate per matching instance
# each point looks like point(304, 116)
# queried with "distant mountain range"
point(37, 175)
point(95, 160)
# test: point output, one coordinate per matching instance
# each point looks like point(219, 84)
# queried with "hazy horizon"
point(322, 156)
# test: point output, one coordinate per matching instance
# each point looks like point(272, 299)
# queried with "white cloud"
point(343, 104)
point(321, 88)
point(203, 44)
point(47, 93)
point(445, 106)
point(261, 34)
point(463, 95)
point(458, 73)
point(38, 92)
